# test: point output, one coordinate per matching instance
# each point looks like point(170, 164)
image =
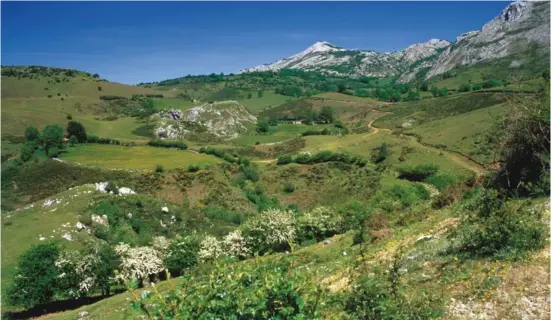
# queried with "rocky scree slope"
point(520, 24)
point(223, 119)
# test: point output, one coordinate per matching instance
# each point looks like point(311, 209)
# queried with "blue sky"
point(133, 42)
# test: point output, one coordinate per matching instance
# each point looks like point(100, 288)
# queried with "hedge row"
point(324, 156)
point(222, 154)
point(107, 98)
point(167, 144)
point(94, 139)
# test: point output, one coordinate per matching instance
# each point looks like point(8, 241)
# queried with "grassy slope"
point(268, 100)
point(139, 157)
point(25, 102)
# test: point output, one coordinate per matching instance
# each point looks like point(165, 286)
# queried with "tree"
point(147, 109)
point(105, 270)
point(28, 150)
point(260, 93)
point(424, 86)
point(465, 87)
point(73, 140)
point(52, 137)
point(32, 133)
point(99, 88)
point(413, 95)
point(327, 114)
point(249, 95)
point(36, 281)
point(262, 126)
point(75, 128)
point(382, 153)
point(182, 254)
point(342, 88)
point(95, 76)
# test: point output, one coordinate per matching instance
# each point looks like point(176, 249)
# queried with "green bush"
point(288, 187)
point(372, 298)
point(491, 83)
point(182, 254)
point(167, 144)
point(417, 173)
point(494, 226)
point(285, 159)
point(267, 291)
point(159, 168)
point(193, 168)
point(224, 215)
point(381, 153)
point(32, 133)
point(37, 276)
point(75, 128)
point(250, 173)
point(54, 152)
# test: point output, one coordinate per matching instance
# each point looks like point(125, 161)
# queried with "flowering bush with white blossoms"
point(161, 244)
point(210, 249)
point(235, 245)
point(78, 271)
point(273, 229)
point(138, 263)
point(318, 224)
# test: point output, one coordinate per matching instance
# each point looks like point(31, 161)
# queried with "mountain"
point(518, 26)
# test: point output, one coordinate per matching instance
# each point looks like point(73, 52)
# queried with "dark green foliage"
point(413, 95)
point(260, 93)
point(323, 156)
point(54, 152)
point(108, 98)
point(73, 140)
point(266, 291)
point(288, 187)
point(159, 168)
point(262, 126)
point(327, 114)
point(523, 143)
point(94, 139)
point(496, 227)
point(36, 281)
point(477, 86)
point(491, 83)
point(99, 88)
point(465, 87)
point(417, 173)
point(28, 150)
point(193, 168)
point(545, 75)
point(219, 153)
point(112, 187)
point(32, 133)
point(168, 144)
point(372, 299)
point(261, 200)
point(250, 173)
point(365, 93)
point(52, 137)
point(249, 95)
point(183, 255)
point(293, 91)
point(381, 154)
point(75, 128)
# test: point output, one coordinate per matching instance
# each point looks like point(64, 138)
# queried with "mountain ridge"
point(519, 24)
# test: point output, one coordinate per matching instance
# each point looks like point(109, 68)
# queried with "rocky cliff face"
point(223, 119)
point(518, 26)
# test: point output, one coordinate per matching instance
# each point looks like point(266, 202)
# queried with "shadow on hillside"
point(53, 307)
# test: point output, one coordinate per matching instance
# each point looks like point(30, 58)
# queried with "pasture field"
point(268, 100)
point(137, 157)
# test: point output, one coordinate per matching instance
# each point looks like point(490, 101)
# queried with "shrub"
point(250, 173)
point(288, 187)
point(32, 133)
point(112, 187)
point(193, 168)
point(37, 275)
point(381, 154)
point(492, 83)
point(210, 249)
point(167, 144)
point(182, 254)
point(285, 159)
point(272, 230)
point(235, 245)
point(318, 224)
point(28, 150)
point(477, 86)
point(159, 168)
point(417, 173)
point(138, 263)
point(73, 140)
point(267, 291)
point(373, 298)
point(492, 226)
point(52, 136)
point(223, 214)
point(465, 87)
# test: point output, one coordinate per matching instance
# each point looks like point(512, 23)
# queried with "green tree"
point(249, 95)
point(327, 114)
point(105, 269)
point(424, 86)
point(52, 137)
point(260, 93)
point(28, 150)
point(545, 75)
point(465, 87)
point(73, 140)
point(413, 95)
point(262, 126)
point(32, 133)
point(75, 128)
point(382, 153)
point(363, 93)
point(36, 280)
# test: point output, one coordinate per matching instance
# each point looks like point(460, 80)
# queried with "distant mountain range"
point(520, 25)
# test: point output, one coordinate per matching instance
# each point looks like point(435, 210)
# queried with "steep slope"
point(520, 25)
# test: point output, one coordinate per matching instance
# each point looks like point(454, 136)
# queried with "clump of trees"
point(323, 156)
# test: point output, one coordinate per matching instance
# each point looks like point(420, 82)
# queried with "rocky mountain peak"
point(513, 11)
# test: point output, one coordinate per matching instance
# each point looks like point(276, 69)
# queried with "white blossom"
point(210, 249)
point(235, 245)
point(271, 228)
point(138, 263)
